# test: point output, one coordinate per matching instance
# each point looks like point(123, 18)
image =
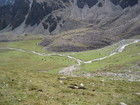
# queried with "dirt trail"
point(70, 69)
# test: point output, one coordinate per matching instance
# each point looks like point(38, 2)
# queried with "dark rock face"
point(13, 15)
point(18, 13)
point(125, 3)
point(112, 20)
point(100, 4)
point(122, 3)
point(40, 10)
point(37, 13)
point(30, 11)
point(5, 16)
point(6, 2)
point(34, 12)
point(90, 3)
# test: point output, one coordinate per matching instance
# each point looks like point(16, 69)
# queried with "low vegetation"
point(40, 88)
point(30, 79)
point(129, 57)
point(95, 54)
point(25, 45)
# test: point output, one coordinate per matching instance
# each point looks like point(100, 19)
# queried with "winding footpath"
point(123, 44)
point(69, 70)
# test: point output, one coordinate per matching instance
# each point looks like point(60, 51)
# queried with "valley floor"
point(108, 76)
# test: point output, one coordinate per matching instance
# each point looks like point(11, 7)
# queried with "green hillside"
point(30, 79)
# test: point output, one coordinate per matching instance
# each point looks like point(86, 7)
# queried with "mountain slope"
point(97, 22)
point(53, 14)
point(6, 2)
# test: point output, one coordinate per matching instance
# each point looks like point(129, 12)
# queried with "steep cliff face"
point(111, 18)
point(28, 15)
point(6, 2)
point(48, 16)
point(13, 15)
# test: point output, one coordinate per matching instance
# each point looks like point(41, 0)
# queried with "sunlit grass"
point(127, 58)
point(94, 54)
point(30, 79)
point(19, 87)
point(25, 45)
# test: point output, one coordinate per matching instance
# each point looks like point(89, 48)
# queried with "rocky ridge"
point(95, 23)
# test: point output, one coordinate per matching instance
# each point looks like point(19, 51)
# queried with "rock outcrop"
point(96, 23)
point(6, 2)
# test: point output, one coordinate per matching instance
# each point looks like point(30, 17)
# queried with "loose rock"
point(62, 78)
point(137, 93)
point(82, 85)
point(121, 103)
point(61, 82)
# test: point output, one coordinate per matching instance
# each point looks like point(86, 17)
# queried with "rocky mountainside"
point(93, 23)
point(6, 2)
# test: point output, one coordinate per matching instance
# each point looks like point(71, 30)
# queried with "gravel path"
point(70, 69)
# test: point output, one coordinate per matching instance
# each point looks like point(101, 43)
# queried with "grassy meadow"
point(128, 58)
point(30, 79)
point(25, 45)
point(95, 54)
